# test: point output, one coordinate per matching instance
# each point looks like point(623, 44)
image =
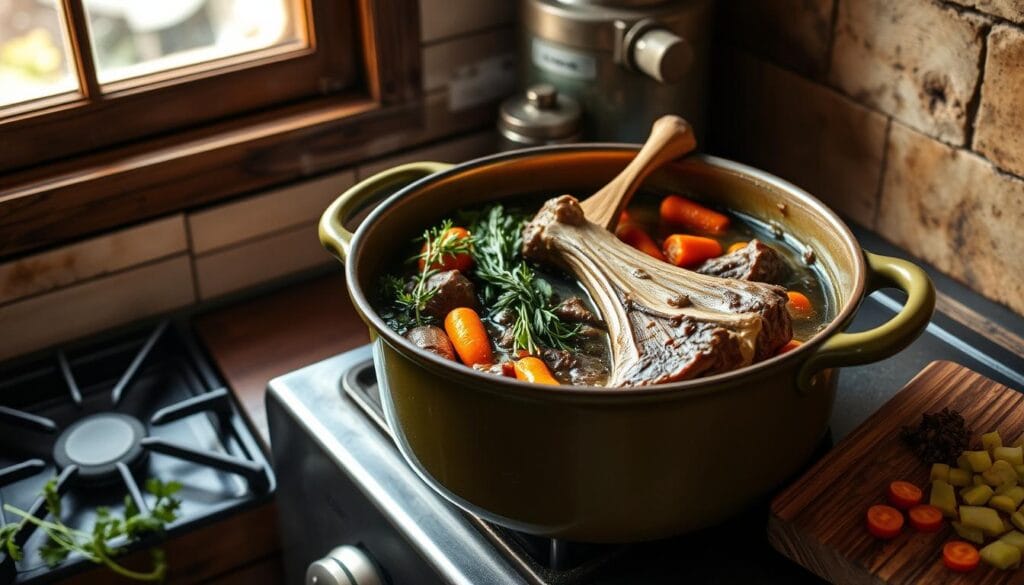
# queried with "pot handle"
point(852, 349)
point(333, 234)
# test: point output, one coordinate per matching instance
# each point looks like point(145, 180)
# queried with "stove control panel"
point(345, 565)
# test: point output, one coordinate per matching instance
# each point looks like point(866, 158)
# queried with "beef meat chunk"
point(574, 310)
point(432, 339)
point(575, 368)
point(452, 290)
point(755, 262)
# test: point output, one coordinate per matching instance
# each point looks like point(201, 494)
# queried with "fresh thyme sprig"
point(510, 283)
point(438, 244)
point(95, 546)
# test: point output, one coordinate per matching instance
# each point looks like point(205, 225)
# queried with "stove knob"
point(660, 54)
point(345, 565)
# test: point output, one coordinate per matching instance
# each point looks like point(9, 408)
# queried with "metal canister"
point(537, 117)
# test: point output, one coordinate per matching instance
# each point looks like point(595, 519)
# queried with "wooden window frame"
point(111, 183)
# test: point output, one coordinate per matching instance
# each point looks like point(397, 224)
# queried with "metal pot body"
point(608, 465)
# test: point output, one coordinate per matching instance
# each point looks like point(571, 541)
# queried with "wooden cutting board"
point(819, 521)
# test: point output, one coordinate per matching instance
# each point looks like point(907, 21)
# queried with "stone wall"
point(905, 116)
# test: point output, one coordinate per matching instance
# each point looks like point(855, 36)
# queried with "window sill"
point(70, 199)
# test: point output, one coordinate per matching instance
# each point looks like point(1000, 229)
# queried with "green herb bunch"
point(408, 302)
point(510, 283)
point(96, 546)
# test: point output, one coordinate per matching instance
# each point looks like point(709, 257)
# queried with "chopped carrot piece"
point(884, 522)
point(736, 247)
point(790, 346)
point(687, 251)
point(461, 262)
point(533, 369)
point(469, 337)
point(925, 518)
point(799, 304)
point(681, 211)
point(904, 495)
point(635, 236)
point(960, 556)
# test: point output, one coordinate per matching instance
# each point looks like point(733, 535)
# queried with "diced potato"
point(959, 477)
point(1011, 455)
point(1020, 473)
point(1007, 526)
point(969, 534)
point(940, 471)
point(1001, 555)
point(999, 473)
point(990, 441)
point(962, 462)
point(979, 480)
point(978, 495)
point(1014, 538)
point(985, 519)
point(944, 498)
point(1017, 519)
point(1015, 493)
point(1002, 503)
point(979, 461)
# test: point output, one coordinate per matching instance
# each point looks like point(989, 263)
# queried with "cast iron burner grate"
point(118, 411)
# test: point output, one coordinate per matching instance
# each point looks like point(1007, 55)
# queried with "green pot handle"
point(333, 234)
point(852, 349)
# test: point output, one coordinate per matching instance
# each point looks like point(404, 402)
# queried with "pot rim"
point(693, 387)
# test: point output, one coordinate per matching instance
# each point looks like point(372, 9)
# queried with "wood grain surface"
point(260, 339)
point(819, 521)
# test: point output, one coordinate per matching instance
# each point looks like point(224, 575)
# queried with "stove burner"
point(98, 443)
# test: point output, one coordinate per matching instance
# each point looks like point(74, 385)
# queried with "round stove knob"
point(345, 565)
point(659, 53)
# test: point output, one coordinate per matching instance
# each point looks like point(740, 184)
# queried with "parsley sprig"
point(510, 283)
point(95, 546)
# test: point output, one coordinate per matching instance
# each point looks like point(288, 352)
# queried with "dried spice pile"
point(940, 438)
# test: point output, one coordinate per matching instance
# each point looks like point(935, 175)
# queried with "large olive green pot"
point(601, 464)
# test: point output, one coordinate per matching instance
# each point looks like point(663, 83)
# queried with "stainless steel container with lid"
point(537, 117)
point(626, 61)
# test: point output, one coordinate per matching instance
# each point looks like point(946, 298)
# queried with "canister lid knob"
point(540, 115)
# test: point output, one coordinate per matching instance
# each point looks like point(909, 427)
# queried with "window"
point(79, 75)
point(115, 111)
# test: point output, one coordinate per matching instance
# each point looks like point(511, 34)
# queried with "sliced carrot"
point(904, 495)
point(635, 236)
point(469, 337)
point(461, 262)
point(799, 304)
point(925, 518)
point(884, 521)
point(685, 250)
point(960, 556)
point(790, 346)
point(736, 247)
point(532, 369)
point(681, 211)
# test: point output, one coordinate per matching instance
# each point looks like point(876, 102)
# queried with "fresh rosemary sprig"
point(408, 302)
point(95, 545)
point(510, 283)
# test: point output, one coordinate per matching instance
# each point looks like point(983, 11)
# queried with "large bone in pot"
point(665, 323)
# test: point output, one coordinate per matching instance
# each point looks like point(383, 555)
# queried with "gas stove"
point(105, 417)
point(354, 512)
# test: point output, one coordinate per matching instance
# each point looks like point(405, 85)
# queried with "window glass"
point(138, 37)
point(34, 57)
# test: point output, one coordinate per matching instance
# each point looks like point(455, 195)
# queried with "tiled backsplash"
point(906, 116)
point(146, 269)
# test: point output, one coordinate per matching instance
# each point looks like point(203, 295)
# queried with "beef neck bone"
point(665, 323)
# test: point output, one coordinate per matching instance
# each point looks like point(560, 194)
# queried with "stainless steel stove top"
point(342, 482)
